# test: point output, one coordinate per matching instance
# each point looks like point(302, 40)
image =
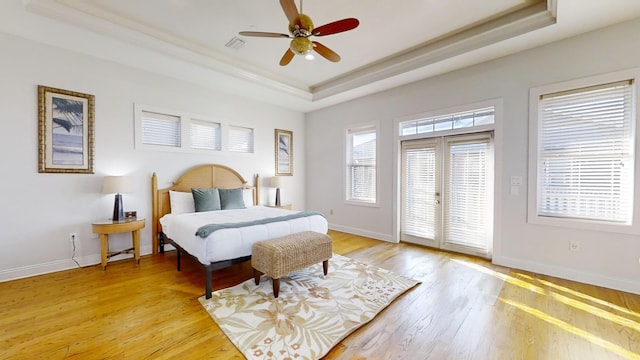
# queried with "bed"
point(224, 237)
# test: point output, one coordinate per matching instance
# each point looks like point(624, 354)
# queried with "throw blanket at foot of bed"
point(206, 230)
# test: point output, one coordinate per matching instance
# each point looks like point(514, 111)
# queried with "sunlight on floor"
point(548, 290)
point(574, 330)
point(587, 297)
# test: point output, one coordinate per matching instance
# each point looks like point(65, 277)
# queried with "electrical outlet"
point(574, 245)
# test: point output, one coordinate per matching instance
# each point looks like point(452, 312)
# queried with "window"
point(240, 139)
point(205, 135)
point(583, 164)
point(159, 129)
point(361, 165)
point(448, 122)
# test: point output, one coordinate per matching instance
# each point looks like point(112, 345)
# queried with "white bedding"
point(232, 243)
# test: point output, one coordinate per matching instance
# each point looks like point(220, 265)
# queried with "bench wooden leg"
point(325, 266)
point(276, 287)
point(256, 276)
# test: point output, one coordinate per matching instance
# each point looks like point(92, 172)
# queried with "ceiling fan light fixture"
point(301, 46)
point(309, 56)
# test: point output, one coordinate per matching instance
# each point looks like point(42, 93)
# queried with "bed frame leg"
point(178, 259)
point(160, 243)
point(209, 281)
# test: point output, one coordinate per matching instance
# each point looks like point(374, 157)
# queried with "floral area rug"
point(313, 312)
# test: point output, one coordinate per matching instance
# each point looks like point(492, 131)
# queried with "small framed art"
point(65, 131)
point(284, 152)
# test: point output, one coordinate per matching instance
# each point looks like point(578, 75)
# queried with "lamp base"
point(277, 196)
point(118, 212)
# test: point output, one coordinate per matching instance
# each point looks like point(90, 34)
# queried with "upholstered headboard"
point(202, 176)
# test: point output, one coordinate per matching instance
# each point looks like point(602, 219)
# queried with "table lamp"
point(276, 182)
point(117, 185)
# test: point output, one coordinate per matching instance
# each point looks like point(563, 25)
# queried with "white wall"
point(40, 210)
point(605, 258)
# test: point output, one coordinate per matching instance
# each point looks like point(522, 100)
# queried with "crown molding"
point(529, 18)
point(391, 71)
point(105, 23)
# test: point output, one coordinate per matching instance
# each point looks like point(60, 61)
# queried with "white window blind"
point(240, 139)
point(361, 164)
point(160, 129)
point(585, 153)
point(205, 135)
point(419, 184)
point(467, 219)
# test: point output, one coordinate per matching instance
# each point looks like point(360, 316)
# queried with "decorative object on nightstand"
point(106, 227)
point(276, 182)
point(117, 185)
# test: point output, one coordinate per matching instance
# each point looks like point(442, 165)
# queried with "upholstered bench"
point(281, 256)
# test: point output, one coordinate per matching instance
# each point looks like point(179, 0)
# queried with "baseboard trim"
point(570, 274)
point(37, 269)
point(362, 232)
point(61, 265)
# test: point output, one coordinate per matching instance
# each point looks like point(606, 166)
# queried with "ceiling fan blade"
point(336, 27)
point(325, 52)
point(286, 58)
point(263, 34)
point(290, 10)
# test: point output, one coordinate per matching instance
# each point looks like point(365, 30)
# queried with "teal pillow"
point(231, 199)
point(206, 199)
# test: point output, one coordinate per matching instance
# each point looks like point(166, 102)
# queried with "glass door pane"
point(420, 213)
point(468, 196)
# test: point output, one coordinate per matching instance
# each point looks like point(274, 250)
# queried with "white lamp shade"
point(117, 184)
point(276, 181)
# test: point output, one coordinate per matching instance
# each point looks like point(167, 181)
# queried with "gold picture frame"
point(65, 131)
point(284, 152)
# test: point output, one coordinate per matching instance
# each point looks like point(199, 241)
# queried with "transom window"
point(166, 130)
point(240, 139)
point(448, 122)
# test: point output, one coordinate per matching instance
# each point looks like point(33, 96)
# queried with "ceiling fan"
point(301, 28)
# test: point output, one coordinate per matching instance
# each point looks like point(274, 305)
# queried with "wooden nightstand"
point(106, 227)
point(286, 206)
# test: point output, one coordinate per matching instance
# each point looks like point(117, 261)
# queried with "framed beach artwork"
point(284, 152)
point(65, 131)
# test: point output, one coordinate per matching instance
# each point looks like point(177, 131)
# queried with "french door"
point(447, 193)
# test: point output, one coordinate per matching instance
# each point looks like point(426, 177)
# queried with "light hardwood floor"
point(465, 308)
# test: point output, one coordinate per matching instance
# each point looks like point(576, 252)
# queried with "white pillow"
point(247, 195)
point(181, 202)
